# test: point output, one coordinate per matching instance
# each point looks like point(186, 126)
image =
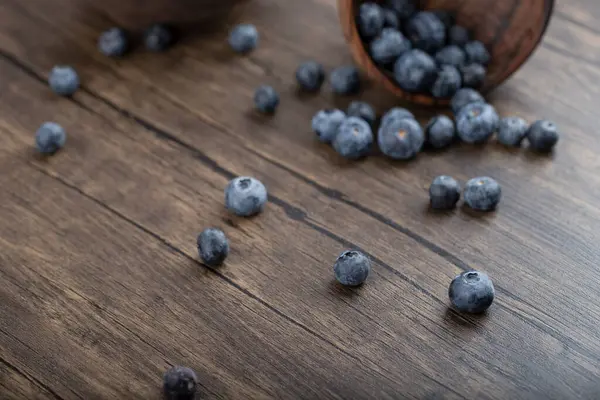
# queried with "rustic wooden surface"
point(101, 289)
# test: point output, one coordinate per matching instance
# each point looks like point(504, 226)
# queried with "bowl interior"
point(510, 29)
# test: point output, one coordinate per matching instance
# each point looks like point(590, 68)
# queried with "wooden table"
point(101, 289)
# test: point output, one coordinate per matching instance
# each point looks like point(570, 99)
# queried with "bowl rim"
point(364, 61)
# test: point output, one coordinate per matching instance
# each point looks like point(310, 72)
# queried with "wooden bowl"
point(197, 14)
point(510, 29)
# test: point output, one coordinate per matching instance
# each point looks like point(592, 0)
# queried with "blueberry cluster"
point(480, 194)
point(424, 51)
point(116, 42)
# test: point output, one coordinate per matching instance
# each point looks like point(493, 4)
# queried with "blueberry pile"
point(423, 51)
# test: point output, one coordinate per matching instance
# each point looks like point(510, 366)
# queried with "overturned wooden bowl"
point(510, 29)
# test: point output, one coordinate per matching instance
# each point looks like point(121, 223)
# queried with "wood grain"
point(101, 286)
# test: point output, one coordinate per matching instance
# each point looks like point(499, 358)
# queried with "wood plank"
point(102, 154)
point(281, 145)
point(514, 246)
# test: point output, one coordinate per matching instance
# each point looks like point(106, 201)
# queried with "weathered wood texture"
point(101, 289)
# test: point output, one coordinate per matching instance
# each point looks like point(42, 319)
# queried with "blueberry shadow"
point(477, 214)
point(305, 95)
point(344, 291)
point(436, 212)
point(464, 320)
point(260, 117)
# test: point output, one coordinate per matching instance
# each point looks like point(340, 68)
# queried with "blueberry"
point(463, 97)
point(482, 193)
point(447, 83)
point(243, 38)
point(370, 19)
point(440, 132)
point(542, 136)
point(476, 122)
point(345, 80)
point(310, 76)
point(326, 124)
point(445, 16)
point(159, 37)
point(401, 139)
point(213, 246)
point(444, 193)
point(415, 71)
point(473, 75)
point(404, 9)
point(362, 110)
point(50, 138)
point(451, 55)
point(63, 80)
point(245, 196)
point(471, 292)
point(390, 45)
point(266, 99)
point(426, 32)
point(351, 268)
point(458, 36)
point(179, 383)
point(477, 53)
point(113, 42)
point(354, 138)
point(512, 131)
point(390, 19)
point(395, 113)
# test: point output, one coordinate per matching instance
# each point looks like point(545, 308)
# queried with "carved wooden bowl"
point(510, 29)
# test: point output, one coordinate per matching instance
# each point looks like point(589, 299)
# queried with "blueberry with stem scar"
point(471, 292)
point(245, 196)
point(482, 193)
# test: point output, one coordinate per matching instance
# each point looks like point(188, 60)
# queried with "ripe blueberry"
point(451, 55)
point(326, 124)
point(390, 45)
point(471, 292)
point(404, 9)
point(362, 110)
point(113, 42)
point(370, 19)
point(415, 71)
point(447, 83)
point(473, 75)
point(463, 97)
point(476, 122)
point(180, 383)
point(458, 36)
point(482, 193)
point(354, 138)
point(50, 138)
point(542, 136)
point(266, 99)
point(159, 37)
point(63, 80)
point(440, 132)
point(310, 76)
point(390, 19)
point(351, 268)
point(400, 139)
point(243, 38)
point(345, 80)
point(477, 53)
point(213, 246)
point(512, 131)
point(426, 32)
point(245, 196)
point(395, 113)
point(444, 193)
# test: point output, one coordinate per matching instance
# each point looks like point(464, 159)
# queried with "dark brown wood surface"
point(100, 287)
